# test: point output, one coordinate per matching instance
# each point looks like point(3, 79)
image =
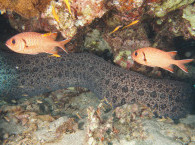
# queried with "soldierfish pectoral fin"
point(180, 64)
point(172, 53)
point(169, 68)
point(62, 43)
point(50, 35)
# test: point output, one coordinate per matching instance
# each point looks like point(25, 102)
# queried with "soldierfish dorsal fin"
point(50, 35)
point(172, 53)
point(180, 64)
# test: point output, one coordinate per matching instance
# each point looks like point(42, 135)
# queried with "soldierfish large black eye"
point(13, 41)
point(136, 53)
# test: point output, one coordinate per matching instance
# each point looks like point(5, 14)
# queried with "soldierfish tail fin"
point(180, 64)
point(62, 43)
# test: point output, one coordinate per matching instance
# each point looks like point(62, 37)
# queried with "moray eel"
point(29, 75)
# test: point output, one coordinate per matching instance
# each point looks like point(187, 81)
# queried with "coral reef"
point(124, 42)
point(95, 42)
point(39, 120)
point(27, 9)
point(68, 17)
point(149, 31)
point(169, 16)
point(56, 17)
point(59, 17)
point(170, 5)
point(128, 7)
point(97, 128)
point(123, 58)
point(128, 12)
point(188, 14)
point(22, 123)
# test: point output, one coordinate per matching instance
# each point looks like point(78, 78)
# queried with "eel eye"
point(136, 53)
point(13, 41)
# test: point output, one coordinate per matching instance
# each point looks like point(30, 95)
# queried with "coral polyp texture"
point(26, 8)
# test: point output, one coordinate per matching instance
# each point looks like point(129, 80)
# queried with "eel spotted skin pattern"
point(22, 75)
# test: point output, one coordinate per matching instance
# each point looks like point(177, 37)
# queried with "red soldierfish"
point(154, 57)
point(35, 43)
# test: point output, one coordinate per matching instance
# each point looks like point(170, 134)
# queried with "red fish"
point(154, 57)
point(35, 43)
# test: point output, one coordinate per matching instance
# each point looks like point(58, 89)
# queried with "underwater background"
point(97, 94)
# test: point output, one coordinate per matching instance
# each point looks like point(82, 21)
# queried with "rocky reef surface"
point(76, 116)
point(65, 117)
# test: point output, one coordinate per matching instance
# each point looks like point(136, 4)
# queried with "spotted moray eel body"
point(22, 75)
